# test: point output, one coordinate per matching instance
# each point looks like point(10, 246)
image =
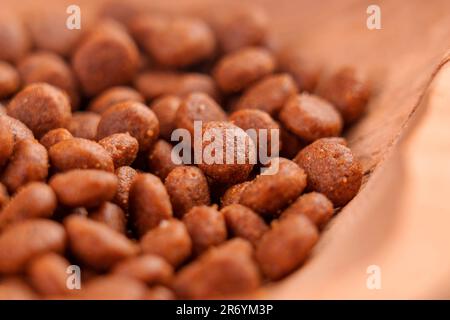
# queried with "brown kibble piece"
point(198, 107)
point(310, 117)
point(83, 124)
point(19, 130)
point(187, 187)
point(269, 193)
point(169, 240)
point(154, 84)
point(206, 226)
point(286, 246)
point(6, 144)
point(113, 287)
point(41, 107)
point(48, 274)
point(234, 141)
point(244, 223)
point(15, 288)
point(28, 163)
point(14, 39)
point(113, 96)
point(165, 109)
point(149, 269)
point(304, 71)
point(268, 94)
point(78, 153)
point(149, 202)
point(34, 200)
point(260, 122)
point(9, 80)
point(125, 176)
point(233, 194)
point(332, 169)
point(26, 240)
point(314, 205)
point(160, 159)
point(111, 215)
point(174, 41)
point(348, 91)
point(240, 26)
point(107, 57)
point(222, 271)
point(239, 69)
point(96, 244)
point(121, 147)
point(52, 69)
point(290, 143)
point(54, 136)
point(84, 188)
point(132, 117)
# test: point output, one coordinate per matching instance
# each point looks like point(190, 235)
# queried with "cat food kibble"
point(310, 117)
point(166, 154)
point(332, 169)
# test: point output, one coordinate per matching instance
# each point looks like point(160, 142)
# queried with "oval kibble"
point(169, 240)
point(234, 141)
point(83, 124)
point(149, 202)
point(78, 153)
point(155, 83)
point(54, 136)
point(244, 223)
point(28, 163)
point(113, 96)
point(233, 194)
point(113, 287)
point(198, 107)
point(26, 240)
point(348, 91)
point(286, 246)
point(165, 109)
point(174, 41)
point(206, 227)
point(6, 144)
point(132, 117)
point(122, 148)
point(268, 94)
point(34, 200)
point(19, 130)
point(84, 188)
point(48, 274)
point(161, 160)
point(313, 205)
point(332, 169)
point(228, 269)
point(187, 187)
point(310, 117)
point(9, 80)
point(41, 107)
point(241, 68)
point(269, 193)
point(107, 57)
point(149, 269)
point(125, 176)
point(111, 215)
point(52, 69)
point(96, 244)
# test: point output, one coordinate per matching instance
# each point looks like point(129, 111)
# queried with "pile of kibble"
point(88, 185)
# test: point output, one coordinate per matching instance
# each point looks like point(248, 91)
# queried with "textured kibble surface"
point(166, 155)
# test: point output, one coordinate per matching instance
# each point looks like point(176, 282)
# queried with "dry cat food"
point(134, 153)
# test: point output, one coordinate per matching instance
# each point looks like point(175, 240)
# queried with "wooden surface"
point(400, 218)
